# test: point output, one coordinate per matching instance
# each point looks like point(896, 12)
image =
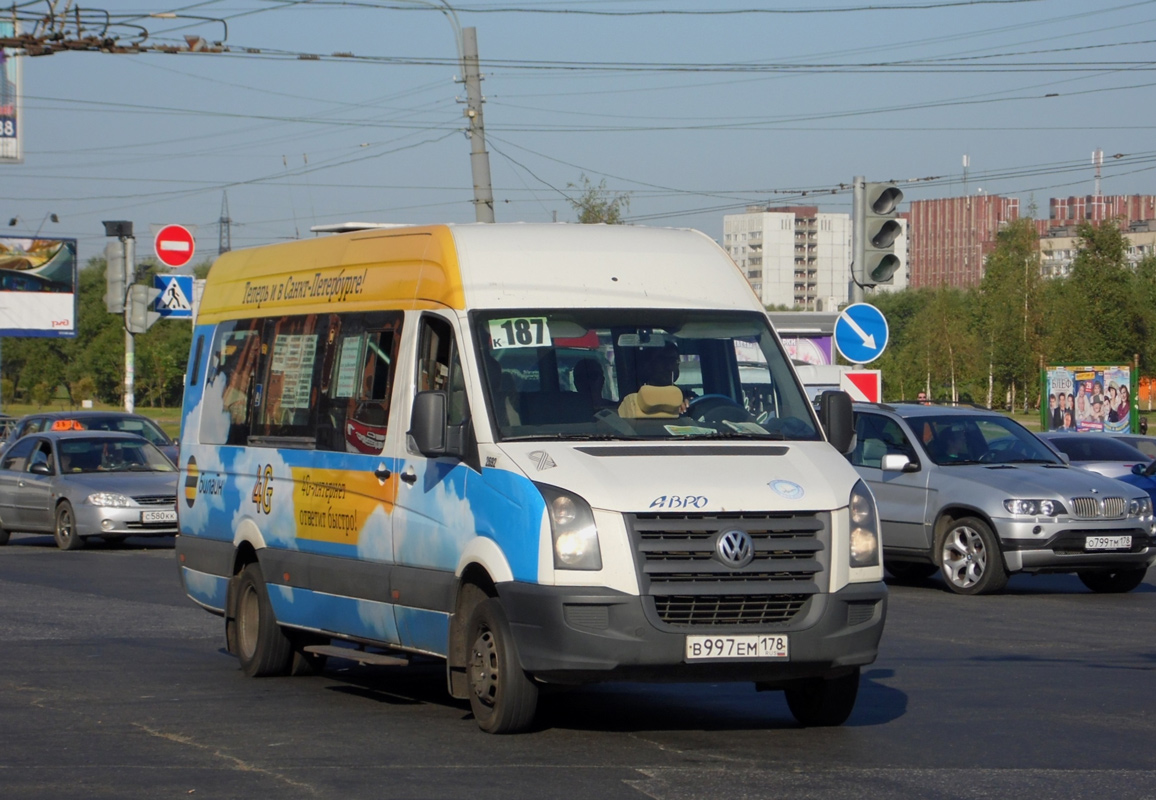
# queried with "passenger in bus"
point(589, 380)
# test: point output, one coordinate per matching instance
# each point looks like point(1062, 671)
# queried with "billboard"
point(1100, 399)
point(37, 287)
point(10, 92)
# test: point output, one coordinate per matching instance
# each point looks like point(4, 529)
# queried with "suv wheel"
point(970, 557)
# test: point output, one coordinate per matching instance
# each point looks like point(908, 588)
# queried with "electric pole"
point(479, 158)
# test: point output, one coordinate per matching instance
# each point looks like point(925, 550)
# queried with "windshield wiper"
point(753, 437)
point(566, 437)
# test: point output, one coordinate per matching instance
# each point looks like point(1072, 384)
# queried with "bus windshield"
point(638, 374)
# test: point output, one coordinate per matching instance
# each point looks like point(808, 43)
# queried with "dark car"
point(1098, 452)
point(77, 484)
point(93, 421)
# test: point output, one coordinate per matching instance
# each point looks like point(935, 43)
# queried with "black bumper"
point(585, 635)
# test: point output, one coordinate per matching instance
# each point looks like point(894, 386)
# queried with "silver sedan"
point(77, 484)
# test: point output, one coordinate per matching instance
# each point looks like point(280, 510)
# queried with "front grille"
point(727, 609)
point(689, 585)
point(1094, 507)
point(157, 500)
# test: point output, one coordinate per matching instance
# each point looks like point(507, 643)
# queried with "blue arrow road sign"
point(861, 333)
point(176, 297)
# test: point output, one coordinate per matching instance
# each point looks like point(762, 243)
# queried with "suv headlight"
point(572, 526)
point(111, 499)
point(1140, 507)
point(864, 527)
point(1035, 508)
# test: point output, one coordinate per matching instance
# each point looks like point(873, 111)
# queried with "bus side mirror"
point(837, 419)
point(430, 429)
point(427, 423)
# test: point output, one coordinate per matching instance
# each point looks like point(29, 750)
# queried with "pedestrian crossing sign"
point(176, 297)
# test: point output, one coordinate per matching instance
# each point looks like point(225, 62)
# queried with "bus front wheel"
point(502, 696)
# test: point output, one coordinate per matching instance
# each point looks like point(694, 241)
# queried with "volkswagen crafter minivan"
point(547, 454)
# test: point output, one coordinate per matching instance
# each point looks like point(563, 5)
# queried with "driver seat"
point(652, 402)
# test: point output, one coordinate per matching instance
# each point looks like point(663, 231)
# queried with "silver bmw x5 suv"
point(975, 495)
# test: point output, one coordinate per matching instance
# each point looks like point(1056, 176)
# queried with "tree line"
point(986, 344)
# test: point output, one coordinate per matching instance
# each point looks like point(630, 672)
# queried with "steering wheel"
point(700, 406)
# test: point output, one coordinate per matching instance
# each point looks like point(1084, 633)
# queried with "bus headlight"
point(572, 526)
point(864, 528)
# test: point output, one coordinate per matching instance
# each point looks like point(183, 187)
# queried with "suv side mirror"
point(838, 419)
point(897, 462)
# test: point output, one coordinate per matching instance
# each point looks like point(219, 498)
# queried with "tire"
point(262, 646)
point(1116, 581)
point(970, 557)
point(909, 571)
point(5, 535)
point(65, 531)
point(502, 697)
point(823, 702)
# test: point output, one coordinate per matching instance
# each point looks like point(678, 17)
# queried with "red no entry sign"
point(174, 245)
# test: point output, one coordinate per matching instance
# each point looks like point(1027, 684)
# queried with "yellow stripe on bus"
point(396, 268)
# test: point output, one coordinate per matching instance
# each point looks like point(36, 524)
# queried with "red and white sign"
point(174, 246)
point(864, 385)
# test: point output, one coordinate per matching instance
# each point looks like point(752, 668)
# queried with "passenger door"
point(434, 519)
point(901, 496)
point(12, 465)
point(38, 512)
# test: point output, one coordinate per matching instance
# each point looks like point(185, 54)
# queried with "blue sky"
point(693, 114)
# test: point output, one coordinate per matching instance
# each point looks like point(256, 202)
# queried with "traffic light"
point(114, 253)
point(139, 316)
point(880, 227)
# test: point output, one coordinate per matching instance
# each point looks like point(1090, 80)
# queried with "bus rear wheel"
point(262, 647)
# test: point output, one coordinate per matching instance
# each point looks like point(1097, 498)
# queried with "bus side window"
point(440, 367)
point(359, 384)
point(230, 377)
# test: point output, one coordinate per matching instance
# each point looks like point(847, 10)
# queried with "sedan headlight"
point(1140, 507)
point(864, 528)
point(111, 499)
point(1035, 508)
point(572, 526)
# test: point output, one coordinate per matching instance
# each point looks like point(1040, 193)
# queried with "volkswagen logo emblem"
point(736, 549)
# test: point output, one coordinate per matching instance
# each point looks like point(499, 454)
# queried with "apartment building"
point(797, 256)
point(951, 237)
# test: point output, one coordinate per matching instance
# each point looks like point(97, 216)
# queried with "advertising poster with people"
point(1089, 399)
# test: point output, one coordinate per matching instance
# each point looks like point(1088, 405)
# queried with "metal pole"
point(129, 347)
point(479, 158)
point(858, 238)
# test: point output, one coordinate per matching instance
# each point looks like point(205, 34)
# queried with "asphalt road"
point(114, 685)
